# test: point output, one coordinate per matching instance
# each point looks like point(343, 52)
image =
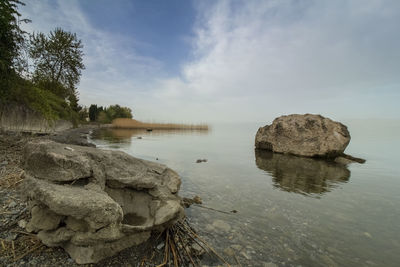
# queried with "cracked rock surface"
point(305, 135)
point(95, 203)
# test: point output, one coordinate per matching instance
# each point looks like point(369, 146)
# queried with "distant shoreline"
point(135, 124)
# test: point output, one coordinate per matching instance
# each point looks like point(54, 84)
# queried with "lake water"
point(291, 211)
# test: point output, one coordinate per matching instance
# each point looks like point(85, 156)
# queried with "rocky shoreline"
point(20, 248)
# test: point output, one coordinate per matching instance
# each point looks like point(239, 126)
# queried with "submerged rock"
point(95, 203)
point(304, 135)
point(221, 225)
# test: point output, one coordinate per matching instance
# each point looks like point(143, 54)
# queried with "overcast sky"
point(212, 61)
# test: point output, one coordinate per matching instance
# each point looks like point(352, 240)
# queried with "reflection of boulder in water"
point(301, 175)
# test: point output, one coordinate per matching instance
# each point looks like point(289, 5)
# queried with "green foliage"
point(58, 61)
point(11, 41)
point(58, 64)
point(36, 96)
point(103, 117)
point(107, 115)
point(43, 101)
point(116, 111)
point(93, 112)
point(83, 114)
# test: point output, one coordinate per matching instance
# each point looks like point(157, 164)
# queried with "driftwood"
point(183, 246)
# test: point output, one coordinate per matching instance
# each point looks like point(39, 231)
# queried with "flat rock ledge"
point(95, 203)
point(306, 135)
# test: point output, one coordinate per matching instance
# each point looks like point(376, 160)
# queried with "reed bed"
point(135, 124)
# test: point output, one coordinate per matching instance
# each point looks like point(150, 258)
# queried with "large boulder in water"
point(304, 135)
point(95, 203)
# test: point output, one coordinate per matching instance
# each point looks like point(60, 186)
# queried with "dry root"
point(183, 247)
point(16, 250)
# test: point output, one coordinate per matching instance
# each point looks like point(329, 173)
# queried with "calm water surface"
point(291, 211)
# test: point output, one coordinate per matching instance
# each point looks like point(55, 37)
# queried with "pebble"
point(244, 254)
point(221, 225)
point(229, 251)
point(209, 228)
point(11, 237)
point(22, 223)
point(237, 247)
point(197, 249)
point(367, 234)
point(160, 246)
point(12, 204)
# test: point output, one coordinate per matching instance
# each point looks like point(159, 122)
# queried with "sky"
point(234, 61)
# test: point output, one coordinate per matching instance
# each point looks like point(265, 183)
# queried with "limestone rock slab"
point(94, 203)
point(304, 135)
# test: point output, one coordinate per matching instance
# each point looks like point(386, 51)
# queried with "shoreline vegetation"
point(127, 123)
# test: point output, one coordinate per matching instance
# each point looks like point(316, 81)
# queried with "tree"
point(58, 61)
point(73, 102)
point(12, 39)
point(93, 112)
point(116, 111)
point(83, 114)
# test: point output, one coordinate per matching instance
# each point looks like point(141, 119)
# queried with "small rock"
point(139, 137)
point(221, 225)
point(244, 254)
point(68, 148)
point(210, 228)
point(22, 224)
point(11, 237)
point(229, 251)
point(197, 200)
point(12, 204)
point(197, 250)
point(160, 246)
point(367, 234)
point(237, 247)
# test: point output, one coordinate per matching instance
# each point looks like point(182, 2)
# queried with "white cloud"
point(253, 60)
point(114, 73)
point(290, 56)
